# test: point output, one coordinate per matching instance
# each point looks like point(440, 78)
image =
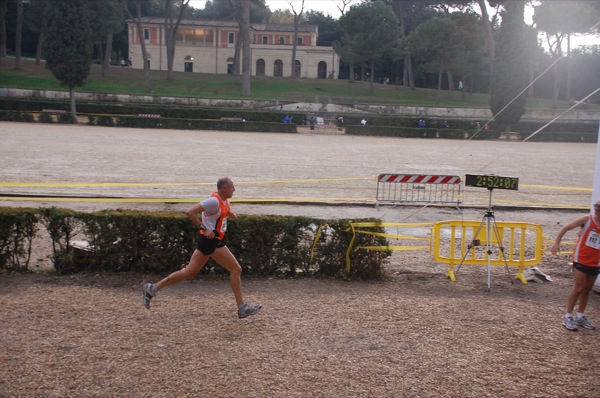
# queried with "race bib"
point(224, 225)
point(593, 240)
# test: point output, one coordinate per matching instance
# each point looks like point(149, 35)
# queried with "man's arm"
point(574, 224)
point(193, 215)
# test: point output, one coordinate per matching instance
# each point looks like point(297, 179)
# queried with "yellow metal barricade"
point(515, 244)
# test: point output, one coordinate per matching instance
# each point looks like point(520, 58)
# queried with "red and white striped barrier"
point(148, 115)
point(418, 188)
point(419, 178)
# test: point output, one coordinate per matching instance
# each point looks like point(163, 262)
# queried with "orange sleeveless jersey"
point(217, 221)
point(587, 248)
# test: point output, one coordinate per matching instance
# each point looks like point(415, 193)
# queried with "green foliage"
point(18, 227)
point(62, 226)
point(370, 34)
point(162, 242)
point(67, 47)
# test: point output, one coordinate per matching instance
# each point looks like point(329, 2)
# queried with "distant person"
point(445, 124)
point(287, 119)
point(211, 229)
point(586, 256)
point(363, 122)
point(312, 122)
point(421, 123)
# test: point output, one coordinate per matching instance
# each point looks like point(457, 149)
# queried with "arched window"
point(260, 67)
point(188, 63)
point(230, 66)
point(322, 70)
point(278, 68)
point(297, 68)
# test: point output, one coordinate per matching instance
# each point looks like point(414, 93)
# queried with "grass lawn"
point(118, 80)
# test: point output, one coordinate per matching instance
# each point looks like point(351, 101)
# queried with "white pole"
point(596, 191)
point(596, 188)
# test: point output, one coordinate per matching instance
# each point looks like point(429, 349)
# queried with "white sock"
point(568, 315)
point(580, 315)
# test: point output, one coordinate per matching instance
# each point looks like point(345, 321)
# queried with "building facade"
point(209, 47)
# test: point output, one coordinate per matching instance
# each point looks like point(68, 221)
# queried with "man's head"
point(597, 208)
point(225, 187)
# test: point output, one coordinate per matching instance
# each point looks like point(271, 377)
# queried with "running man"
point(211, 231)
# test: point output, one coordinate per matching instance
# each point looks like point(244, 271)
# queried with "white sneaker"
point(149, 291)
point(569, 323)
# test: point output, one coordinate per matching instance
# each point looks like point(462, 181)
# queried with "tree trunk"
point(246, 57)
point(451, 85)
point(568, 66)
point(2, 32)
point(73, 107)
point(171, 33)
point(489, 32)
point(408, 77)
point(18, 34)
point(140, 32)
point(556, 88)
point(101, 58)
point(296, 17)
point(439, 88)
point(38, 48)
point(372, 77)
point(107, 52)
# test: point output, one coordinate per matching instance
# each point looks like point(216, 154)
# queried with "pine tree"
point(509, 79)
point(68, 45)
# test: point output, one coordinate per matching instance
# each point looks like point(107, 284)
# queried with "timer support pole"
point(489, 220)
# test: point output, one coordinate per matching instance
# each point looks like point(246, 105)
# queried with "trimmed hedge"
point(412, 132)
point(177, 117)
point(162, 242)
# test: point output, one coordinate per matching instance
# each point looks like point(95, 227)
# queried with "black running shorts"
point(208, 246)
point(591, 271)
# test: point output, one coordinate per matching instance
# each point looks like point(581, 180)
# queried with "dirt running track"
point(414, 334)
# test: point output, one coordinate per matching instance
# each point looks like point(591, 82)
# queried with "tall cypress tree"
point(510, 68)
point(68, 45)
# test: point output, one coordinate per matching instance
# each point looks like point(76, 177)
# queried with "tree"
point(441, 45)
point(560, 19)
point(67, 48)
point(246, 56)
point(3, 9)
point(137, 4)
point(109, 19)
point(36, 21)
point(19, 34)
point(473, 65)
point(297, 17)
point(507, 92)
point(328, 27)
point(370, 32)
point(171, 31)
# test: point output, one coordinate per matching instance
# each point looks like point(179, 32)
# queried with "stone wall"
point(317, 107)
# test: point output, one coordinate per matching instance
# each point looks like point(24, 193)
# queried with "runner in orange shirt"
point(586, 257)
point(211, 231)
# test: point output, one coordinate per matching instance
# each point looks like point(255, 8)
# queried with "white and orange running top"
point(214, 216)
point(587, 248)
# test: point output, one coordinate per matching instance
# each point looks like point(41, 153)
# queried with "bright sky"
point(330, 7)
point(325, 6)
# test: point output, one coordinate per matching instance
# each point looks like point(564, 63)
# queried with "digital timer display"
point(492, 182)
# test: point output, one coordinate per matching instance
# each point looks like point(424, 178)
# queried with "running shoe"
point(149, 291)
point(584, 323)
point(569, 323)
point(245, 310)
